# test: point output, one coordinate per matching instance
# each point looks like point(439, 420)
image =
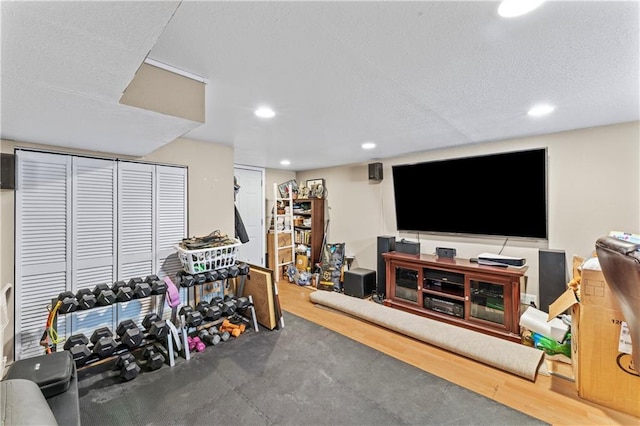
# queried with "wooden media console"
point(457, 291)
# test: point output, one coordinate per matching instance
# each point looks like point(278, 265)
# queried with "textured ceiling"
point(409, 76)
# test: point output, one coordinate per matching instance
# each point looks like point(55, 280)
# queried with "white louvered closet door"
point(136, 232)
point(81, 222)
point(171, 201)
point(94, 236)
point(42, 244)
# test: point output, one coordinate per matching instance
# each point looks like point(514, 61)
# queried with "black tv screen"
point(501, 194)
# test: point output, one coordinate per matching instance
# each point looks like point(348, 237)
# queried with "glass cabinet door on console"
point(406, 284)
point(489, 302)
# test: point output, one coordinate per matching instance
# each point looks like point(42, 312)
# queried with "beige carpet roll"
point(515, 358)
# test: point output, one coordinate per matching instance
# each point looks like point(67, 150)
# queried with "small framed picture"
point(312, 182)
point(316, 188)
point(283, 188)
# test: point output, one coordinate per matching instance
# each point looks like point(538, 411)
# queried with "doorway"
point(250, 201)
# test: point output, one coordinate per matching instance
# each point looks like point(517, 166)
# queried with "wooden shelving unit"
point(280, 244)
point(308, 219)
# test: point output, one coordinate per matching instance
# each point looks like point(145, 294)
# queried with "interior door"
point(250, 200)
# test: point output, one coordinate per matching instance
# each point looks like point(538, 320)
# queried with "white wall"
point(593, 188)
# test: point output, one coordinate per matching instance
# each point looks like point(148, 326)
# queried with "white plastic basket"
point(209, 259)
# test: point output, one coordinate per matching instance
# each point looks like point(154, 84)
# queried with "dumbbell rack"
point(106, 364)
point(185, 329)
point(168, 340)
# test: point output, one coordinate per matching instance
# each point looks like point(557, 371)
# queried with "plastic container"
point(209, 259)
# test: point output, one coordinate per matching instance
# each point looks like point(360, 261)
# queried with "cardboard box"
point(600, 357)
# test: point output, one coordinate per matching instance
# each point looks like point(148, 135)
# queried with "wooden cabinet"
point(308, 226)
point(456, 291)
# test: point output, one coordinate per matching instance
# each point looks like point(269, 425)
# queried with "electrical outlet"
point(528, 299)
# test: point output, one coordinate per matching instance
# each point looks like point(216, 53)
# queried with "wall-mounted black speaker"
point(375, 171)
point(7, 171)
point(552, 276)
point(386, 244)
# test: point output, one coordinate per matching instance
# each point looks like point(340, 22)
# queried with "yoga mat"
point(514, 358)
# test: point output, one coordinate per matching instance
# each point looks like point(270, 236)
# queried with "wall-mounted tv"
point(503, 194)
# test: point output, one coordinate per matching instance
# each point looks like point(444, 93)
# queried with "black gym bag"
point(52, 372)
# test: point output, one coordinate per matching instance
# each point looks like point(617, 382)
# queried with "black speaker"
point(7, 171)
point(375, 171)
point(359, 282)
point(386, 244)
point(552, 276)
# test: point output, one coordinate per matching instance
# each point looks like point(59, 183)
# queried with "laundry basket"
point(208, 259)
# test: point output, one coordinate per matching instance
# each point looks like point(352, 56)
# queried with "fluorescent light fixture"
point(264, 112)
point(368, 145)
point(174, 70)
point(513, 8)
point(540, 110)
point(285, 162)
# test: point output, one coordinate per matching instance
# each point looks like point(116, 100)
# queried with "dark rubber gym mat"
point(302, 374)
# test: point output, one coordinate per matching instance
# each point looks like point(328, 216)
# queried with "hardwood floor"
point(550, 398)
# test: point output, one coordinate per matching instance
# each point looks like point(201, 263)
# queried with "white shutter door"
point(42, 246)
point(93, 236)
point(171, 201)
point(136, 232)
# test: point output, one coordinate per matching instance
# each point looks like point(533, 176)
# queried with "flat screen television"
point(502, 194)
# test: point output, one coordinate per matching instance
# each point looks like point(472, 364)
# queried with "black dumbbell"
point(242, 303)
point(158, 287)
point(129, 334)
point(210, 337)
point(228, 306)
point(153, 359)
point(77, 345)
point(185, 279)
point(192, 318)
point(223, 274)
point(211, 276)
point(154, 326)
point(135, 281)
point(234, 271)
point(209, 312)
point(104, 295)
point(69, 302)
point(243, 269)
point(200, 278)
point(151, 278)
point(165, 353)
point(123, 292)
point(103, 343)
point(224, 336)
point(118, 284)
point(142, 290)
point(99, 333)
point(129, 368)
point(86, 299)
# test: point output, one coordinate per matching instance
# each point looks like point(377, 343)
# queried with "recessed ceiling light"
point(368, 145)
point(540, 110)
point(265, 112)
point(285, 162)
point(513, 8)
